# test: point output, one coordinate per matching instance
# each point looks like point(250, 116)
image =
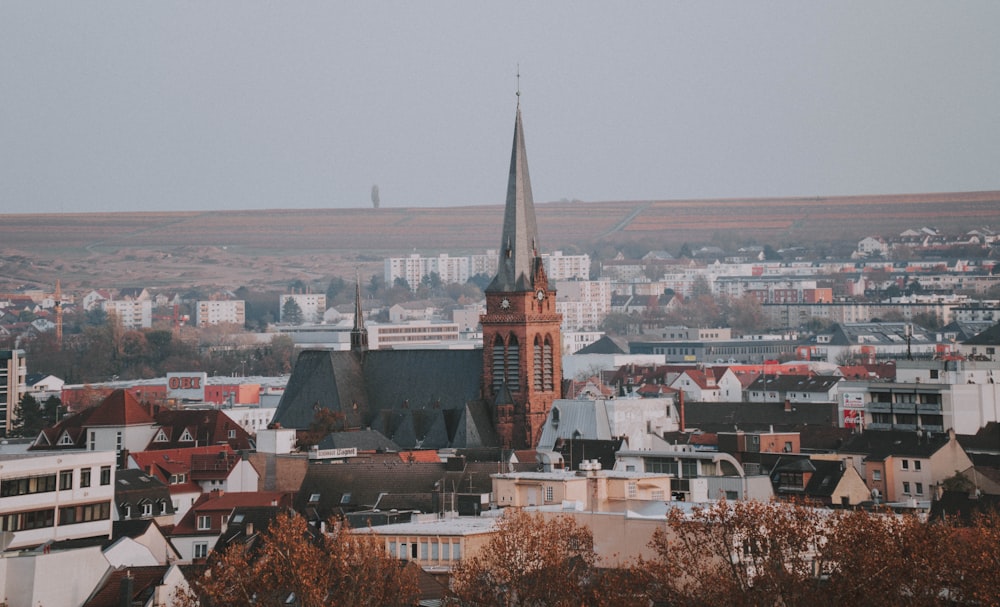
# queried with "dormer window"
point(161, 437)
point(186, 437)
point(66, 440)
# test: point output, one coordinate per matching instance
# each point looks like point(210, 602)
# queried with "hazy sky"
point(122, 106)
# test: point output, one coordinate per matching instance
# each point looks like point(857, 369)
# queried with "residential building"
point(141, 496)
point(217, 312)
point(566, 267)
point(130, 313)
point(902, 466)
point(311, 305)
point(698, 475)
point(50, 497)
point(206, 521)
point(584, 304)
point(590, 486)
point(13, 374)
point(433, 542)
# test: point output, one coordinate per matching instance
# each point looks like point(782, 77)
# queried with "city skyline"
point(119, 107)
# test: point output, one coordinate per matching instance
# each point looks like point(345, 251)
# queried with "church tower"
point(359, 334)
point(522, 347)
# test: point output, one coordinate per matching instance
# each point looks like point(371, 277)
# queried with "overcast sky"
point(158, 106)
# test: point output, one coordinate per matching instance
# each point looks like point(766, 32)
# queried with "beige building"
point(217, 312)
point(435, 543)
point(593, 488)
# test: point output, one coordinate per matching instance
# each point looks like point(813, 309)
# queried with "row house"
point(790, 388)
point(209, 517)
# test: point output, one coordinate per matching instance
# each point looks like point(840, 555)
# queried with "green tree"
point(291, 313)
point(29, 418)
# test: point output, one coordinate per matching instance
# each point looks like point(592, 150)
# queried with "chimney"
point(681, 408)
point(125, 590)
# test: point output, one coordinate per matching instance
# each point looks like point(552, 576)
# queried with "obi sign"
point(186, 386)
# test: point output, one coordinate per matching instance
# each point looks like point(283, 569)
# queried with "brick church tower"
point(522, 347)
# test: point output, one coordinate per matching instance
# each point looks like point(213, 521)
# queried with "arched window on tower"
point(537, 366)
point(547, 364)
point(513, 364)
point(498, 367)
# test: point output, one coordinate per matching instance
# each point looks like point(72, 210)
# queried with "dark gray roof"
point(416, 398)
point(362, 440)
point(605, 345)
point(989, 337)
point(724, 417)
point(847, 334)
point(794, 383)
point(878, 445)
point(364, 482)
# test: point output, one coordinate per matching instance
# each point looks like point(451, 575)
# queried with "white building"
point(130, 314)
point(312, 305)
point(413, 334)
point(584, 304)
point(566, 267)
point(13, 371)
point(415, 268)
point(50, 497)
point(216, 312)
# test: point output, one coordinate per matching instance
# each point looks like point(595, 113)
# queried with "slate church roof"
point(416, 398)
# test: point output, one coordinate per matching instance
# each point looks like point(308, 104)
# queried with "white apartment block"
point(566, 267)
point(584, 304)
point(130, 314)
point(312, 305)
point(413, 334)
point(46, 497)
point(415, 268)
point(217, 312)
point(13, 371)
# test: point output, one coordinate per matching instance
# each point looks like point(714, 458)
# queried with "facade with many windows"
point(13, 370)
point(56, 497)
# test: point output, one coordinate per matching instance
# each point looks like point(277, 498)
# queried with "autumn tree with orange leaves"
point(532, 561)
point(749, 554)
point(331, 568)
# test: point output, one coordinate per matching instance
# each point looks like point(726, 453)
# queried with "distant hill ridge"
point(474, 228)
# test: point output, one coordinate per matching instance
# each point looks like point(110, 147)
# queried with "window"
point(105, 475)
point(916, 464)
point(201, 550)
point(445, 551)
point(633, 490)
point(36, 519)
point(876, 475)
point(65, 480)
point(65, 439)
point(658, 495)
point(204, 522)
point(549, 493)
point(126, 511)
point(314, 498)
point(147, 509)
point(906, 487)
point(456, 551)
point(345, 499)
point(934, 373)
point(906, 464)
point(232, 434)
point(84, 477)
point(82, 514)
point(163, 506)
point(920, 488)
point(93, 441)
point(118, 441)
point(28, 485)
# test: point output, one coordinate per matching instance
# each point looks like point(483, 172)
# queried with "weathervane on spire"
point(518, 92)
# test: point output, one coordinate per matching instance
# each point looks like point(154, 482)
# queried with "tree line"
point(739, 554)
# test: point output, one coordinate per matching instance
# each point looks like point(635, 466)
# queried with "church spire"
point(519, 240)
point(359, 334)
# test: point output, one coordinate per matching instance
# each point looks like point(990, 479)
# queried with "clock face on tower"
point(505, 303)
point(540, 294)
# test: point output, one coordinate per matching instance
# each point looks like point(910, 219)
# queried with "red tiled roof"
point(120, 408)
point(217, 504)
point(426, 456)
point(162, 464)
point(144, 582)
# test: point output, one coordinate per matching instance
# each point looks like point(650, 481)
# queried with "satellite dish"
point(876, 493)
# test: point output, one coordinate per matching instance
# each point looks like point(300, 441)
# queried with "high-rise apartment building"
point(13, 370)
